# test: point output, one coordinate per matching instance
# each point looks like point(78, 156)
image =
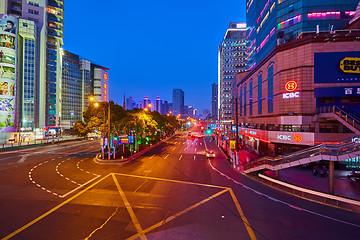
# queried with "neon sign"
point(291, 86)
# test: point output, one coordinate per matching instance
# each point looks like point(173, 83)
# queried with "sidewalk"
point(303, 177)
point(39, 141)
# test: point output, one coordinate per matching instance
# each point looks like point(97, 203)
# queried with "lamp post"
point(96, 104)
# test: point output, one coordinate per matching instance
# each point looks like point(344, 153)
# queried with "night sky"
point(152, 47)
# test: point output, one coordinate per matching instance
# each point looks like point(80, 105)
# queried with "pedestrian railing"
point(10, 144)
point(331, 152)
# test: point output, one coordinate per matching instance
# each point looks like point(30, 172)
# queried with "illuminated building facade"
point(291, 99)
point(273, 22)
point(100, 78)
point(231, 60)
point(81, 80)
point(40, 52)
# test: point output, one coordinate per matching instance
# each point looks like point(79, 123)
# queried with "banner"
point(8, 41)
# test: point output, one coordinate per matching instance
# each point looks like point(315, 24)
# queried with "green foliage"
point(137, 122)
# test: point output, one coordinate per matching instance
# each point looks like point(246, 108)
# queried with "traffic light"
point(202, 128)
point(208, 131)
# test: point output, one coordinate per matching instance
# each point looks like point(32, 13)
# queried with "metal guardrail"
point(39, 141)
point(327, 151)
point(347, 117)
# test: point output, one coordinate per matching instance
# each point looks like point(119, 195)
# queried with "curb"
point(133, 157)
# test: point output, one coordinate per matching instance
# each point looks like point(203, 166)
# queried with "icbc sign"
point(290, 87)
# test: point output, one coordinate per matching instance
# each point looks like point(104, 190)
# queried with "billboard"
point(8, 40)
point(337, 67)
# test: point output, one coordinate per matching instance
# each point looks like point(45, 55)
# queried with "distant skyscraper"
point(145, 103)
point(214, 101)
point(177, 101)
point(165, 108)
point(129, 103)
point(231, 60)
point(158, 105)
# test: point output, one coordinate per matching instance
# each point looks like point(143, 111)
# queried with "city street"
point(171, 192)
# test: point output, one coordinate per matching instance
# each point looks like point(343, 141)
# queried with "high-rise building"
point(71, 89)
point(40, 59)
point(81, 80)
point(231, 60)
point(145, 103)
point(165, 108)
point(214, 101)
point(130, 103)
point(177, 101)
point(158, 105)
point(272, 22)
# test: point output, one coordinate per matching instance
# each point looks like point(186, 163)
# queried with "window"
point(270, 89)
point(250, 97)
point(260, 94)
point(244, 100)
point(33, 12)
point(241, 101)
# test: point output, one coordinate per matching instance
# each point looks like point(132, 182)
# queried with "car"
point(210, 154)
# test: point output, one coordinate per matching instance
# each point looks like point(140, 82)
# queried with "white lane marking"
point(184, 149)
point(195, 149)
point(62, 196)
point(279, 201)
point(194, 157)
point(174, 148)
point(166, 156)
point(61, 175)
point(152, 156)
point(78, 166)
point(180, 157)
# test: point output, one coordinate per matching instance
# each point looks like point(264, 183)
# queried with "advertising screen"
point(337, 67)
point(8, 38)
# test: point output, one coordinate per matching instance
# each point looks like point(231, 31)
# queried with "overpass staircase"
point(345, 117)
point(329, 152)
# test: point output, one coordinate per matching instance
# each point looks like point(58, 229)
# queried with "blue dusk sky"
point(154, 46)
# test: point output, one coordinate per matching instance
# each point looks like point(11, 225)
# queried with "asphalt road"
point(171, 192)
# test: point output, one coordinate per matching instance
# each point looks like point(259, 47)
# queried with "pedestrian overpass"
point(329, 152)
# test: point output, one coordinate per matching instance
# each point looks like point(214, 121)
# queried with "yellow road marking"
point(149, 229)
point(244, 219)
point(170, 180)
point(141, 233)
point(52, 210)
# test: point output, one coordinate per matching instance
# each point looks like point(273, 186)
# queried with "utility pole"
point(109, 140)
point(237, 131)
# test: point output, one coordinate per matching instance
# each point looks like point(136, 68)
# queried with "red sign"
point(291, 86)
point(297, 138)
